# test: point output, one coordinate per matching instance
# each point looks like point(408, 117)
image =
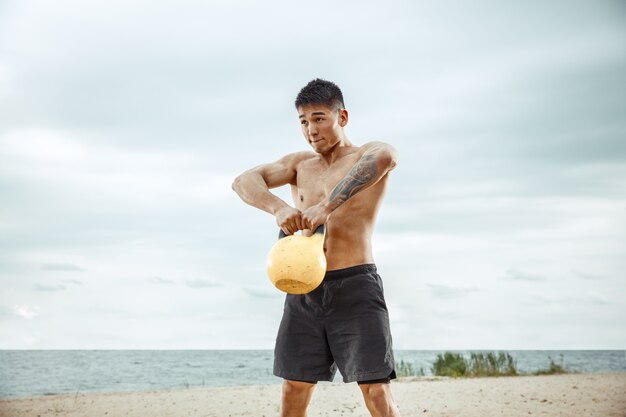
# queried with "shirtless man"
point(343, 323)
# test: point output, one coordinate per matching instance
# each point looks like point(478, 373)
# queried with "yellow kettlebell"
point(296, 264)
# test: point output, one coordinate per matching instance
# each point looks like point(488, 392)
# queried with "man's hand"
point(315, 216)
point(289, 219)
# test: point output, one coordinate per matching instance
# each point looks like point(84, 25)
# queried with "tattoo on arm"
point(360, 176)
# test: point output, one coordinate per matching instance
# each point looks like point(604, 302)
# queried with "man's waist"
point(350, 271)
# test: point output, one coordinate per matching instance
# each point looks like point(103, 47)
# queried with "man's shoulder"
point(296, 158)
point(374, 144)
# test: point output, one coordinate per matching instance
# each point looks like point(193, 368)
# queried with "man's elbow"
point(245, 182)
point(388, 158)
point(237, 184)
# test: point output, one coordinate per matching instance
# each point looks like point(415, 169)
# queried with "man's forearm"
point(253, 190)
point(372, 166)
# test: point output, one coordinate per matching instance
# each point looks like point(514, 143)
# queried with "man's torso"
point(349, 228)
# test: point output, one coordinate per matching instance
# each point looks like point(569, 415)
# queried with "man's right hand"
point(289, 219)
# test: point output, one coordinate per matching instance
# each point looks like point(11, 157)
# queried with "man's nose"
point(312, 130)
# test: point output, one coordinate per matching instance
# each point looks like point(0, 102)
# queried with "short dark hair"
point(320, 91)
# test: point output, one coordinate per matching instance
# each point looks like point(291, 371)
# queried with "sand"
point(575, 395)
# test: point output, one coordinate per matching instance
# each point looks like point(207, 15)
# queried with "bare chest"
point(315, 182)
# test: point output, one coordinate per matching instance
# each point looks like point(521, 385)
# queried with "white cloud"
point(60, 267)
point(49, 287)
point(160, 280)
point(201, 283)
point(140, 177)
point(598, 298)
point(517, 275)
point(264, 292)
point(588, 276)
point(26, 311)
point(450, 292)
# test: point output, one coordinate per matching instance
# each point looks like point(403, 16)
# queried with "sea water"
point(45, 372)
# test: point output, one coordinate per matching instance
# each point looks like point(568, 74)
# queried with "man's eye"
point(303, 122)
point(319, 119)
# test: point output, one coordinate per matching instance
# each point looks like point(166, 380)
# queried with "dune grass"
point(406, 369)
point(553, 368)
point(479, 364)
point(450, 364)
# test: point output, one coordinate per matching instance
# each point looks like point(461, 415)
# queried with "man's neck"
point(336, 151)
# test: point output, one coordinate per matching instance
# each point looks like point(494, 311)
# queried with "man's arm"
point(254, 184)
point(377, 160)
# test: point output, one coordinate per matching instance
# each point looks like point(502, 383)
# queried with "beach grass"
point(490, 364)
point(405, 369)
point(478, 364)
point(553, 368)
point(450, 364)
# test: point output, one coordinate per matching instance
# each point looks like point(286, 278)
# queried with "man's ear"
point(343, 117)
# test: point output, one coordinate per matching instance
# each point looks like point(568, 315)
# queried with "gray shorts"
point(342, 324)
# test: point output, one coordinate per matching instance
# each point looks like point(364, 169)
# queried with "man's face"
point(322, 126)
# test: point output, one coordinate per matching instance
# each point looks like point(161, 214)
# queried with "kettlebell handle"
point(320, 230)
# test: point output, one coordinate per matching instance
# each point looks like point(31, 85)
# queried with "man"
point(343, 323)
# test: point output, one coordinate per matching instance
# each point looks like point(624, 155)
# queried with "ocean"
point(26, 373)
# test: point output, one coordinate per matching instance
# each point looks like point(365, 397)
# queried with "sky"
point(124, 123)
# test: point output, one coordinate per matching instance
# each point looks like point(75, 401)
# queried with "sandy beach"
point(575, 395)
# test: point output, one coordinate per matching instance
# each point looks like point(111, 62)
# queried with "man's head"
point(320, 91)
point(322, 115)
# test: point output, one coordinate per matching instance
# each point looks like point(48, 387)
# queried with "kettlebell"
point(296, 264)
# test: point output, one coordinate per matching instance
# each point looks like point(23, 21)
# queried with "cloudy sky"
point(123, 124)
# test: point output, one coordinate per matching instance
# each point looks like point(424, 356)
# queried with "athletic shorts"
point(342, 324)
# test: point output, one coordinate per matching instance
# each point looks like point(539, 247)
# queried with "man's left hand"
point(315, 216)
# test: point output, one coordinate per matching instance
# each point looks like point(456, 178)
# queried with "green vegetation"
point(491, 365)
point(553, 368)
point(477, 365)
point(406, 369)
point(450, 364)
